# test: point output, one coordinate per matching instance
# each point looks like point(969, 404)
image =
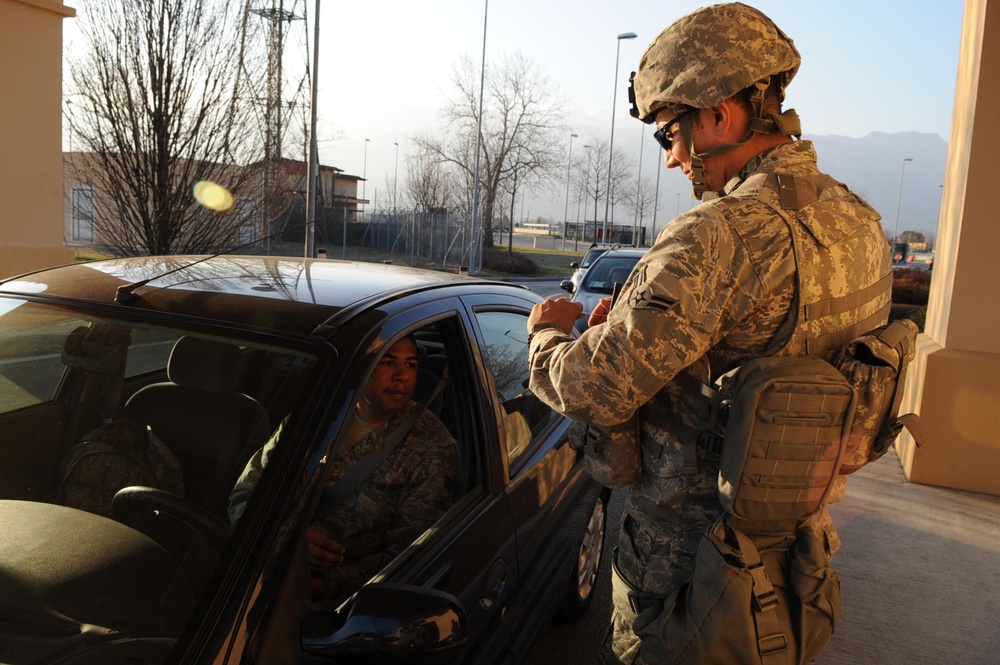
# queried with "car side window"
point(25, 353)
point(525, 416)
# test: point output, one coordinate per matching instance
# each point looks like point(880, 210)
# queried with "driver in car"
point(358, 531)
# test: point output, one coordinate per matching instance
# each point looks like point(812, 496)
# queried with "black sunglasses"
point(662, 135)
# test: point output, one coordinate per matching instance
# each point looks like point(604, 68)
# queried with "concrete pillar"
point(955, 381)
point(31, 164)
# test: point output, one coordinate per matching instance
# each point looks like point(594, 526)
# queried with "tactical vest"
point(844, 275)
point(763, 590)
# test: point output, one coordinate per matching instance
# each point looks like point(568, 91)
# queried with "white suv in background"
point(581, 267)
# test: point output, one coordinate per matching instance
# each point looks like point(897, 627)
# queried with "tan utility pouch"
point(875, 365)
point(746, 606)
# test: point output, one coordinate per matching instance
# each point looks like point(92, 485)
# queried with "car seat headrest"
point(204, 364)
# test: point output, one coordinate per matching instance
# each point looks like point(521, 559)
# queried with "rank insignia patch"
point(645, 298)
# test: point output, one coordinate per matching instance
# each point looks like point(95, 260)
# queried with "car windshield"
point(91, 404)
point(611, 268)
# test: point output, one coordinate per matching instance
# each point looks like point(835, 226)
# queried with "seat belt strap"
point(364, 467)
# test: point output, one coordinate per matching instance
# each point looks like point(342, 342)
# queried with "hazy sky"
point(385, 68)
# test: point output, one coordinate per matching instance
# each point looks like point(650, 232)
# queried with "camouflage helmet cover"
point(708, 56)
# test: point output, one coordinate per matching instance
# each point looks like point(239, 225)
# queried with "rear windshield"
point(591, 256)
point(603, 274)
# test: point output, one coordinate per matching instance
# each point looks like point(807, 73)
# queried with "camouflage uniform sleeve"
point(429, 463)
point(692, 287)
point(247, 483)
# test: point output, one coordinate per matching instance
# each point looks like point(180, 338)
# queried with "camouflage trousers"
point(653, 559)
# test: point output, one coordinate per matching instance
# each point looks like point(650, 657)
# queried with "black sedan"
point(211, 356)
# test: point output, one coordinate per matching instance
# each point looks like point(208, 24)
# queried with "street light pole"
point(364, 196)
point(364, 173)
point(395, 180)
point(569, 163)
point(473, 245)
point(638, 189)
point(611, 146)
point(586, 191)
point(899, 201)
point(656, 205)
point(312, 170)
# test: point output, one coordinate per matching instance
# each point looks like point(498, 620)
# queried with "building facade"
point(31, 217)
point(267, 213)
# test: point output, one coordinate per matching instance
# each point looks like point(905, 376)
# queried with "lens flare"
point(212, 195)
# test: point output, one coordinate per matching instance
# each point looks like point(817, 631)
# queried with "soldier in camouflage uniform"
point(408, 491)
point(713, 291)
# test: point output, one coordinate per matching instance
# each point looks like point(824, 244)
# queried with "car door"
point(470, 553)
point(545, 477)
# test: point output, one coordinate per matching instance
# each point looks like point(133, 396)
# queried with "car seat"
point(618, 275)
point(210, 427)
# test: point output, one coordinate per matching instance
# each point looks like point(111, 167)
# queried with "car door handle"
point(493, 584)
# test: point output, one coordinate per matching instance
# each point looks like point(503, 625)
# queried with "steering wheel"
point(193, 537)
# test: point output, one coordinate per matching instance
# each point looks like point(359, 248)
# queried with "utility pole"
point(277, 17)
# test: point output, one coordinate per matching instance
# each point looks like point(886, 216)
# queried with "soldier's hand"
point(324, 551)
point(600, 312)
point(560, 311)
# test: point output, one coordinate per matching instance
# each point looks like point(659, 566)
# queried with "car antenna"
point(125, 294)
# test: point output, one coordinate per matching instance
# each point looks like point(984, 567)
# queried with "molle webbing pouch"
point(875, 365)
point(789, 418)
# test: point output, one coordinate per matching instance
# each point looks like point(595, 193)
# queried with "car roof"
point(625, 251)
point(286, 294)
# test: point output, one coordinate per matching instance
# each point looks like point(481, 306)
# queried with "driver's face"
point(393, 381)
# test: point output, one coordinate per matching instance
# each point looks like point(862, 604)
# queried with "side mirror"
point(389, 623)
point(574, 265)
point(566, 286)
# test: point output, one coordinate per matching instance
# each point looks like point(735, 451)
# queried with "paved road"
point(547, 289)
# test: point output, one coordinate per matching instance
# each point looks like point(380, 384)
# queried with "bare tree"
point(521, 129)
point(641, 201)
point(591, 171)
point(163, 101)
point(428, 183)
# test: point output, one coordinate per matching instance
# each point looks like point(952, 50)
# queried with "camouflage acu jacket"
point(405, 495)
point(709, 295)
point(402, 497)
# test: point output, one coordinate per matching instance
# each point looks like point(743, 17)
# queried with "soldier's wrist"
point(543, 325)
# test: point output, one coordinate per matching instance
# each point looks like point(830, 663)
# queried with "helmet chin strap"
point(785, 123)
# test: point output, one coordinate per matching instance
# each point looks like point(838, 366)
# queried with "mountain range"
point(872, 166)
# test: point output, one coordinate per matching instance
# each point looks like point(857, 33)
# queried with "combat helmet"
point(708, 56)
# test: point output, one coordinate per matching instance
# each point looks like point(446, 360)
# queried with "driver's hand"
point(324, 551)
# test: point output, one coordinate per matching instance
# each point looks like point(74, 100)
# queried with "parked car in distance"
point(581, 267)
point(613, 266)
point(210, 356)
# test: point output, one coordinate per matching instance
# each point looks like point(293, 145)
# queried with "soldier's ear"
point(722, 117)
